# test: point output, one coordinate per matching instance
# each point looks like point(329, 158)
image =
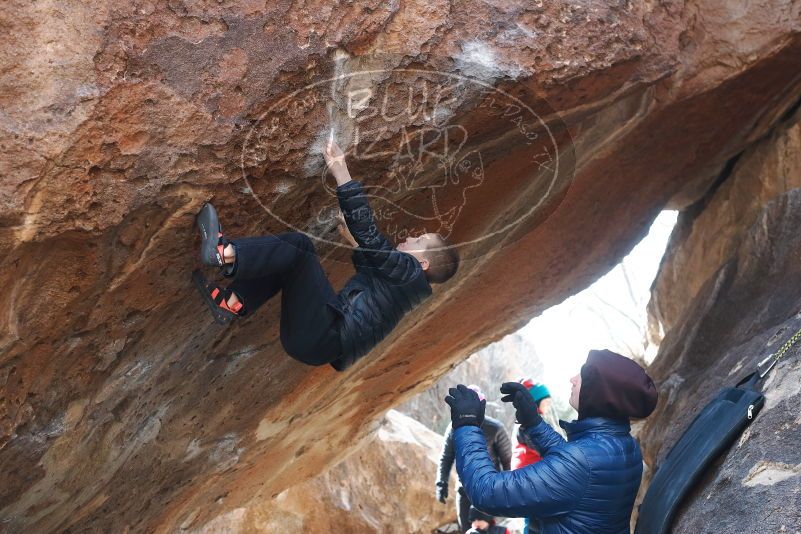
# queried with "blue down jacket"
point(586, 484)
point(388, 283)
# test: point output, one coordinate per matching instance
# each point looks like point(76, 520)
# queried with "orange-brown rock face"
point(122, 406)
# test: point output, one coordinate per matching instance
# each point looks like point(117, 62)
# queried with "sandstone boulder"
point(386, 485)
point(121, 406)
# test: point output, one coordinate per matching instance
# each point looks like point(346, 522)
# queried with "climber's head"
point(437, 257)
point(613, 386)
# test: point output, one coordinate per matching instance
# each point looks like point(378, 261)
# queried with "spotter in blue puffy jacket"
point(586, 484)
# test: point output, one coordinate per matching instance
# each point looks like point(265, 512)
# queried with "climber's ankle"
point(232, 301)
point(229, 254)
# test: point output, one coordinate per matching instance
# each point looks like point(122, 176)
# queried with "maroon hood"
point(616, 387)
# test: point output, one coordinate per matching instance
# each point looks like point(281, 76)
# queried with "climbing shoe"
point(212, 241)
point(216, 298)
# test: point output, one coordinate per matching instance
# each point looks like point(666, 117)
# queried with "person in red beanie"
point(586, 484)
point(525, 453)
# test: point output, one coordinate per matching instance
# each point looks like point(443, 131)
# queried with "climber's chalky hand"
point(335, 160)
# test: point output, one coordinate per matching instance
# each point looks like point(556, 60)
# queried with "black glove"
point(466, 408)
point(527, 413)
point(442, 491)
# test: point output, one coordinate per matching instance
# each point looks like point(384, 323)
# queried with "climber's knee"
point(299, 240)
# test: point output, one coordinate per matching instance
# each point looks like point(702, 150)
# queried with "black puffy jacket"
point(498, 446)
point(388, 283)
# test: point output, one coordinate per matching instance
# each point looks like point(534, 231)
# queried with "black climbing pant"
point(288, 263)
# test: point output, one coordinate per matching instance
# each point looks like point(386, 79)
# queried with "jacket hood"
point(615, 387)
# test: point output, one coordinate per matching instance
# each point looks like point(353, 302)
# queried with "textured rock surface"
point(707, 234)
point(121, 407)
point(746, 309)
point(384, 486)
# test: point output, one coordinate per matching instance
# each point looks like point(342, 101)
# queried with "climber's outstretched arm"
point(354, 208)
point(374, 249)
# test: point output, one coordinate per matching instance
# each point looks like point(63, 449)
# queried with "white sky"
point(605, 315)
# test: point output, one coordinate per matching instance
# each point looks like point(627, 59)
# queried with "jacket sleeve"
point(374, 248)
point(550, 487)
point(447, 457)
point(503, 449)
point(543, 437)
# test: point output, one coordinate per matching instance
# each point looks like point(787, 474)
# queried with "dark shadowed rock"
point(746, 309)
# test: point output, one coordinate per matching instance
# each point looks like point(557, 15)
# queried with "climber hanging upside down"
point(319, 326)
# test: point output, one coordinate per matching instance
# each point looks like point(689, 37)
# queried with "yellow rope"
point(787, 345)
point(774, 358)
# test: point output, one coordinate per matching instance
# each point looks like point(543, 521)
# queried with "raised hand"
point(527, 413)
point(335, 160)
point(466, 407)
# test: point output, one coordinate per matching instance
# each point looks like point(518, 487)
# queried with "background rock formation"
point(121, 407)
point(384, 486)
point(507, 360)
point(732, 283)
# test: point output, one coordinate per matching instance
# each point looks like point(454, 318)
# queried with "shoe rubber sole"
point(209, 225)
